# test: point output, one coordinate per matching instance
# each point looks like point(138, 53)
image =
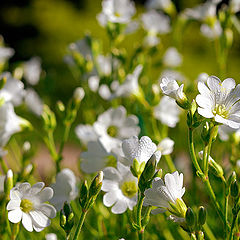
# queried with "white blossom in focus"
point(86, 133)
point(163, 193)
point(118, 11)
point(220, 101)
point(65, 188)
point(32, 70)
point(121, 188)
point(33, 101)
point(13, 90)
point(166, 146)
point(27, 205)
point(167, 111)
point(140, 149)
point(172, 58)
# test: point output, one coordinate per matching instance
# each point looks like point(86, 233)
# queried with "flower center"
point(221, 110)
point(112, 131)
point(26, 205)
point(129, 189)
point(117, 14)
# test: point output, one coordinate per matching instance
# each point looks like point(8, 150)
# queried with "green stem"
point(80, 223)
point(233, 225)
point(205, 159)
point(208, 232)
point(3, 165)
point(170, 163)
point(139, 216)
point(15, 231)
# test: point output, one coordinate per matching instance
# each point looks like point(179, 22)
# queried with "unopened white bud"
point(79, 94)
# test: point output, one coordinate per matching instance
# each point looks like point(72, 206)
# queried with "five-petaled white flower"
point(121, 187)
point(167, 111)
point(220, 101)
point(140, 149)
point(162, 195)
point(27, 204)
point(65, 188)
point(118, 11)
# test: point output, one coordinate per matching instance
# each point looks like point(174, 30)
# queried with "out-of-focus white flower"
point(65, 188)
point(131, 27)
point(86, 133)
point(104, 64)
point(121, 187)
point(98, 156)
point(51, 236)
point(5, 53)
point(13, 90)
point(9, 123)
point(225, 131)
point(105, 92)
point(167, 111)
point(2, 178)
point(118, 11)
point(162, 195)
point(78, 94)
point(234, 5)
point(166, 146)
point(27, 204)
point(171, 88)
point(169, 73)
point(151, 21)
point(102, 19)
point(140, 149)
point(130, 86)
point(158, 4)
point(32, 70)
point(172, 58)
point(115, 124)
point(211, 32)
point(220, 101)
point(151, 40)
point(33, 101)
point(202, 77)
point(93, 83)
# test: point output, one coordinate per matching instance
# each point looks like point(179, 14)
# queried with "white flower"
point(121, 187)
point(98, 155)
point(65, 188)
point(211, 32)
point(224, 132)
point(151, 21)
point(234, 5)
point(115, 124)
point(32, 70)
point(130, 86)
point(93, 83)
point(118, 11)
point(33, 101)
point(5, 53)
point(104, 64)
point(166, 146)
point(51, 236)
point(151, 40)
point(202, 77)
point(158, 4)
point(140, 149)
point(172, 58)
point(219, 100)
point(167, 111)
point(171, 88)
point(9, 123)
point(13, 90)
point(104, 92)
point(27, 204)
point(178, 76)
point(86, 133)
point(161, 194)
point(78, 94)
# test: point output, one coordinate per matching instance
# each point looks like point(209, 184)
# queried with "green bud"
point(18, 73)
point(178, 208)
point(193, 107)
point(183, 102)
point(150, 168)
point(205, 134)
point(202, 215)
point(136, 168)
point(49, 118)
point(27, 171)
point(60, 107)
point(200, 235)
point(234, 189)
point(3, 82)
point(96, 185)
point(193, 236)
point(67, 209)
point(190, 217)
point(66, 218)
point(8, 183)
point(63, 219)
point(83, 194)
point(216, 168)
point(230, 180)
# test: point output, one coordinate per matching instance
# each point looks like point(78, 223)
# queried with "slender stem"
point(205, 158)
point(208, 232)
point(170, 163)
point(15, 231)
point(139, 216)
point(233, 225)
point(65, 137)
point(79, 226)
point(209, 150)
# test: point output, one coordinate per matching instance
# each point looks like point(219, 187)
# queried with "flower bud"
point(234, 189)
point(190, 217)
point(49, 118)
point(3, 81)
point(66, 218)
point(26, 146)
point(27, 171)
point(63, 219)
point(8, 183)
point(202, 215)
point(83, 194)
point(150, 168)
point(205, 134)
point(78, 94)
point(60, 107)
point(96, 185)
point(215, 167)
point(230, 180)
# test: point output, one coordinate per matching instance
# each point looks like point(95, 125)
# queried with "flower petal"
point(110, 198)
point(119, 207)
point(13, 204)
point(39, 219)
point(48, 210)
point(15, 216)
point(45, 194)
point(27, 222)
